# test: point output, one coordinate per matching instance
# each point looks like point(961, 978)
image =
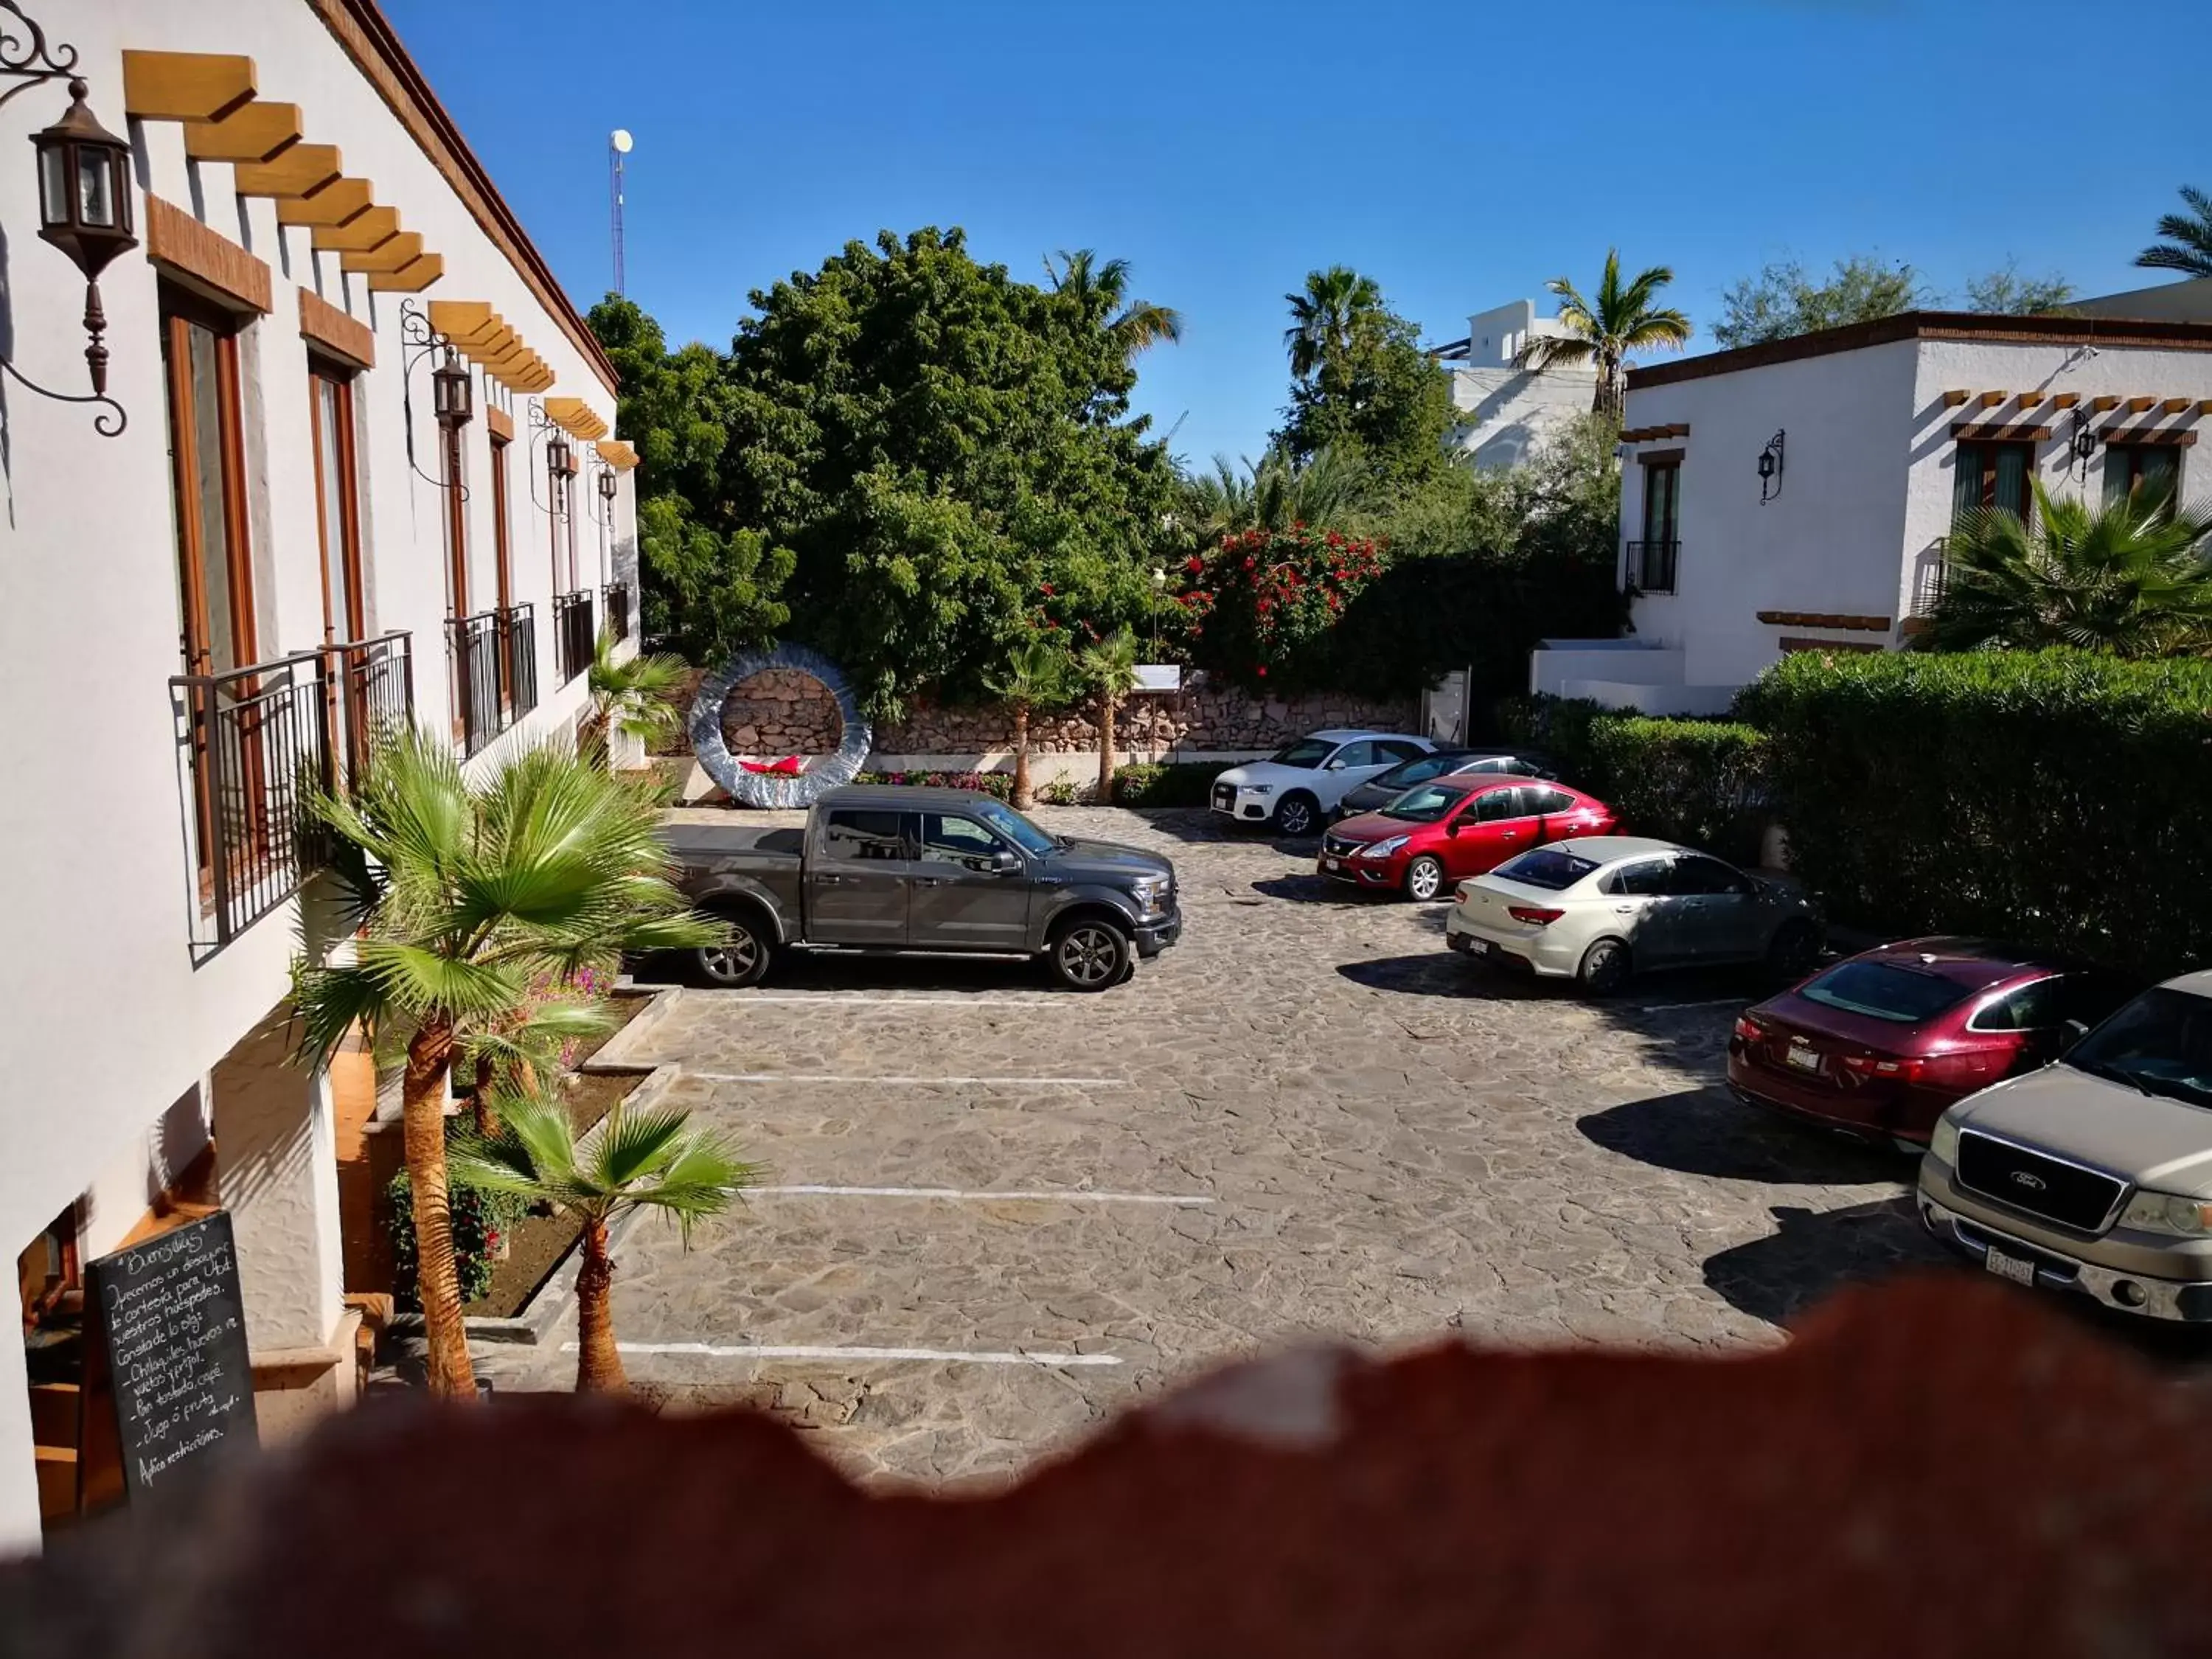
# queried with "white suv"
point(1296, 788)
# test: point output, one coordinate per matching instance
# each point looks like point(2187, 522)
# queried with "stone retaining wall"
point(783, 713)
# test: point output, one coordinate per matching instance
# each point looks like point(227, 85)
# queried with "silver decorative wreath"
point(767, 789)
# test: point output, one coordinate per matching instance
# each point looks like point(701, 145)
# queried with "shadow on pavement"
point(1317, 890)
point(1815, 1254)
point(1703, 1132)
point(806, 972)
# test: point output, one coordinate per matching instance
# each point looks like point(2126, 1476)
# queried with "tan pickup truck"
point(2095, 1173)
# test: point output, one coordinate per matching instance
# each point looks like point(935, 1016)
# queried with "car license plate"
point(2014, 1267)
point(1803, 1055)
point(1332, 864)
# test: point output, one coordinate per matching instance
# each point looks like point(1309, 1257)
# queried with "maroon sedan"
point(1879, 1044)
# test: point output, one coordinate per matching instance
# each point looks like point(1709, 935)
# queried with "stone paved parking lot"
point(994, 1212)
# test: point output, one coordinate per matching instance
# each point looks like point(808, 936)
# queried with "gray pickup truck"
point(881, 868)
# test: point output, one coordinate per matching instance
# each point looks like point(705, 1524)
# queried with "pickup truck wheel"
point(1088, 955)
point(740, 960)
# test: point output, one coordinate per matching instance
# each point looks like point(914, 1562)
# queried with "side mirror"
point(1006, 862)
point(1334, 766)
point(2071, 1032)
point(1451, 829)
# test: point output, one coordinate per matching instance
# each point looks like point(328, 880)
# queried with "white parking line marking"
point(925, 1082)
point(766, 1351)
point(1059, 1195)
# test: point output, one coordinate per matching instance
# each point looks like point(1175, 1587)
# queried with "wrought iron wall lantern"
point(84, 195)
point(1769, 470)
point(559, 464)
point(2083, 444)
point(451, 400)
point(608, 485)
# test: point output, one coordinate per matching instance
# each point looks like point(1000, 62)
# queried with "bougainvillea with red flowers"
point(1259, 607)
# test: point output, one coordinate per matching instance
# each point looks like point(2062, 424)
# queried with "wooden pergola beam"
point(361, 233)
point(335, 203)
point(299, 171)
point(388, 255)
point(410, 278)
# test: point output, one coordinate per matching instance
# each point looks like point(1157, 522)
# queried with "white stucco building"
point(282, 544)
point(1507, 408)
point(1874, 436)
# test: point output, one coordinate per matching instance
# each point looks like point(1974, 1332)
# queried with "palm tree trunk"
point(1106, 701)
point(599, 1363)
point(438, 1281)
point(1022, 799)
point(487, 1114)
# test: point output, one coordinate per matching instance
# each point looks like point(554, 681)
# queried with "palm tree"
point(1338, 308)
point(1623, 320)
point(637, 696)
point(1273, 493)
point(632, 1160)
point(1101, 290)
point(2188, 244)
point(510, 1053)
point(466, 897)
point(2132, 577)
point(1110, 667)
point(1035, 675)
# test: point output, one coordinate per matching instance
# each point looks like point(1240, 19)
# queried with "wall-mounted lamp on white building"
point(2083, 444)
point(1769, 470)
point(84, 195)
point(451, 394)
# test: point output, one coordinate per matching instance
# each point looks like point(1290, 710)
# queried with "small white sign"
point(1159, 677)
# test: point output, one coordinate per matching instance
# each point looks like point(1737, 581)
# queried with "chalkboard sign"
point(172, 1331)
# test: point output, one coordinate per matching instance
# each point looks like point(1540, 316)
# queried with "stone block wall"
point(783, 713)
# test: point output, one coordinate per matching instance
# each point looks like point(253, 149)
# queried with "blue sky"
point(1460, 154)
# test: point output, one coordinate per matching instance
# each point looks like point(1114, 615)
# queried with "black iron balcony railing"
point(472, 651)
point(373, 681)
point(1930, 576)
point(519, 632)
point(573, 638)
point(619, 609)
point(1651, 566)
point(257, 744)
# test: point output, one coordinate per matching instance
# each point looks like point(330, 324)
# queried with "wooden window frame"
point(181, 312)
point(2135, 451)
point(1986, 450)
point(1671, 466)
point(353, 625)
point(457, 526)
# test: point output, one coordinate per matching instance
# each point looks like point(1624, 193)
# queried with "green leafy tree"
point(1383, 405)
point(466, 898)
point(1338, 312)
point(652, 1159)
point(1623, 316)
point(939, 444)
point(2005, 293)
point(709, 585)
point(2185, 239)
point(1783, 300)
point(1108, 667)
point(1102, 289)
point(1034, 673)
point(2132, 577)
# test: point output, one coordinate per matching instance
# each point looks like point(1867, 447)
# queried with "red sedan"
point(1440, 832)
point(1879, 1044)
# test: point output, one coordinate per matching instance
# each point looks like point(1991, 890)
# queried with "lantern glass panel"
point(95, 187)
point(53, 184)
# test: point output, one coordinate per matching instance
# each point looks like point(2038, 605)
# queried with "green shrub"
point(1061, 791)
point(999, 784)
point(2059, 799)
point(1699, 782)
point(1560, 726)
point(481, 1220)
point(1157, 783)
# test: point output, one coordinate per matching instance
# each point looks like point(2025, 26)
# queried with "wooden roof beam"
point(389, 254)
point(251, 132)
point(186, 86)
point(361, 233)
point(410, 278)
point(299, 171)
point(335, 203)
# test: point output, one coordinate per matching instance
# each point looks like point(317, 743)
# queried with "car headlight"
point(1943, 1141)
point(1383, 849)
point(1151, 893)
point(1257, 788)
point(2169, 1212)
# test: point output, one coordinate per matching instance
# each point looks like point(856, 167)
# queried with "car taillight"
point(1881, 1066)
point(1749, 1030)
point(1459, 893)
point(1540, 915)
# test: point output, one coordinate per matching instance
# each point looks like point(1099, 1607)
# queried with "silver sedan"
point(1605, 908)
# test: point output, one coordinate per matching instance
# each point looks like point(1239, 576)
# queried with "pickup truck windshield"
point(1015, 828)
point(2161, 1043)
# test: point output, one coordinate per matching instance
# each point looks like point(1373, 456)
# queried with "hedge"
point(1697, 781)
point(1000, 784)
point(2059, 799)
point(1155, 783)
